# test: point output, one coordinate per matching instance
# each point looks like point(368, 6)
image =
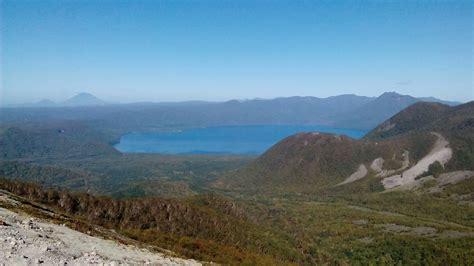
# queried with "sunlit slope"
point(310, 162)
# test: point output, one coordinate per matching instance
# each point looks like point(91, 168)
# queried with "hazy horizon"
point(201, 100)
point(170, 51)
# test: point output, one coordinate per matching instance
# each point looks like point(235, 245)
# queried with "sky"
point(127, 51)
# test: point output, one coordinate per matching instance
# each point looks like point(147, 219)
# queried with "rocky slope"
point(26, 240)
point(205, 227)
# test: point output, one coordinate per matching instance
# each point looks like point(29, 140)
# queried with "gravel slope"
point(360, 173)
point(441, 152)
point(27, 241)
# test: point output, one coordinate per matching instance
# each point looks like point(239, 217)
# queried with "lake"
point(237, 140)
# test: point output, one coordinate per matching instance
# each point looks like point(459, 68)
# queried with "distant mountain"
point(380, 109)
point(376, 111)
point(436, 100)
point(44, 103)
point(344, 111)
point(83, 99)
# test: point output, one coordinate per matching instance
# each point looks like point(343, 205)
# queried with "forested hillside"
point(313, 161)
point(65, 139)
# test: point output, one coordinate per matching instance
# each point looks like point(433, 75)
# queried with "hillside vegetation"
point(54, 140)
point(313, 162)
point(267, 231)
point(456, 123)
point(302, 202)
point(206, 227)
point(414, 117)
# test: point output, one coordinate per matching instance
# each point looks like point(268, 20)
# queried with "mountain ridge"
point(83, 99)
point(344, 111)
point(94, 100)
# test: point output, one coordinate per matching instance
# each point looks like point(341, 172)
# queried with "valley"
point(252, 132)
point(402, 193)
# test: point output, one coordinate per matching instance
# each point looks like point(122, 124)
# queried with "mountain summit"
point(83, 99)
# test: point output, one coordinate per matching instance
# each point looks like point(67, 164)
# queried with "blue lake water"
point(243, 140)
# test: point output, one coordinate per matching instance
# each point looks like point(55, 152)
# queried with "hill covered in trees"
point(310, 162)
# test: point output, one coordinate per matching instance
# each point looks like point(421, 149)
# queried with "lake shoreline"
point(220, 141)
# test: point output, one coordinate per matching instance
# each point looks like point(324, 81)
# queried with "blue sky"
point(218, 50)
